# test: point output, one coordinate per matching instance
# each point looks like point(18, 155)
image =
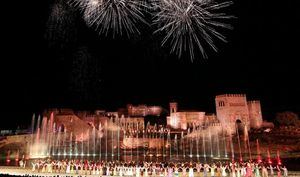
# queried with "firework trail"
point(188, 24)
point(113, 16)
point(61, 28)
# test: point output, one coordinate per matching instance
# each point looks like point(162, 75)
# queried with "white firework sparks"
point(188, 24)
point(115, 16)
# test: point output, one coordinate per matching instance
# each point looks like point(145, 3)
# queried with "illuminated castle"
point(232, 111)
point(234, 108)
point(187, 119)
point(230, 108)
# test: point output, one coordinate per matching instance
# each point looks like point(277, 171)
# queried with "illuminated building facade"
point(234, 108)
point(184, 119)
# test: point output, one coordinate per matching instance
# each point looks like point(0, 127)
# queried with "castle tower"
point(232, 108)
point(255, 115)
point(173, 107)
point(175, 120)
point(129, 109)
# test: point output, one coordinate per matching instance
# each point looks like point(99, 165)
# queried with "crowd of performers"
point(145, 169)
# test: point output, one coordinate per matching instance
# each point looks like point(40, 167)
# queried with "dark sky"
point(49, 63)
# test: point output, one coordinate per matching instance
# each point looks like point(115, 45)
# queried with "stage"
point(27, 171)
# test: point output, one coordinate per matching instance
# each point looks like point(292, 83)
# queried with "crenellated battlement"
point(253, 102)
point(230, 95)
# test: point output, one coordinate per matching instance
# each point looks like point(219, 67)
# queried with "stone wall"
point(231, 108)
point(255, 114)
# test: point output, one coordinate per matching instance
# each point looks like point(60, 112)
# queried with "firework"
point(188, 24)
point(113, 16)
point(61, 28)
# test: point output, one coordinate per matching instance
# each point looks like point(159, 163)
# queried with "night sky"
point(48, 63)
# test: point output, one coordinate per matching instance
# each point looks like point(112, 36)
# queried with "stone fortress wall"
point(235, 108)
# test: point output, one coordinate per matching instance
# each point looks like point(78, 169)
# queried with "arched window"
point(62, 128)
point(221, 103)
point(173, 110)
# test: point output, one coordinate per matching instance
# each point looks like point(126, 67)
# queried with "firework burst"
point(115, 16)
point(188, 24)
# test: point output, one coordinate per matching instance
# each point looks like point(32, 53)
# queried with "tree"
point(287, 118)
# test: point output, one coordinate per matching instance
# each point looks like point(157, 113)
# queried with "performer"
point(191, 171)
point(21, 163)
point(107, 170)
point(49, 166)
point(223, 169)
point(138, 172)
point(285, 171)
point(33, 165)
point(68, 167)
point(115, 171)
point(238, 170)
point(271, 168)
point(205, 170)
point(72, 165)
point(183, 171)
point(264, 171)
point(248, 170)
point(170, 171)
point(76, 167)
point(256, 170)
point(176, 173)
point(278, 171)
point(146, 172)
point(233, 171)
point(218, 171)
point(243, 170)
